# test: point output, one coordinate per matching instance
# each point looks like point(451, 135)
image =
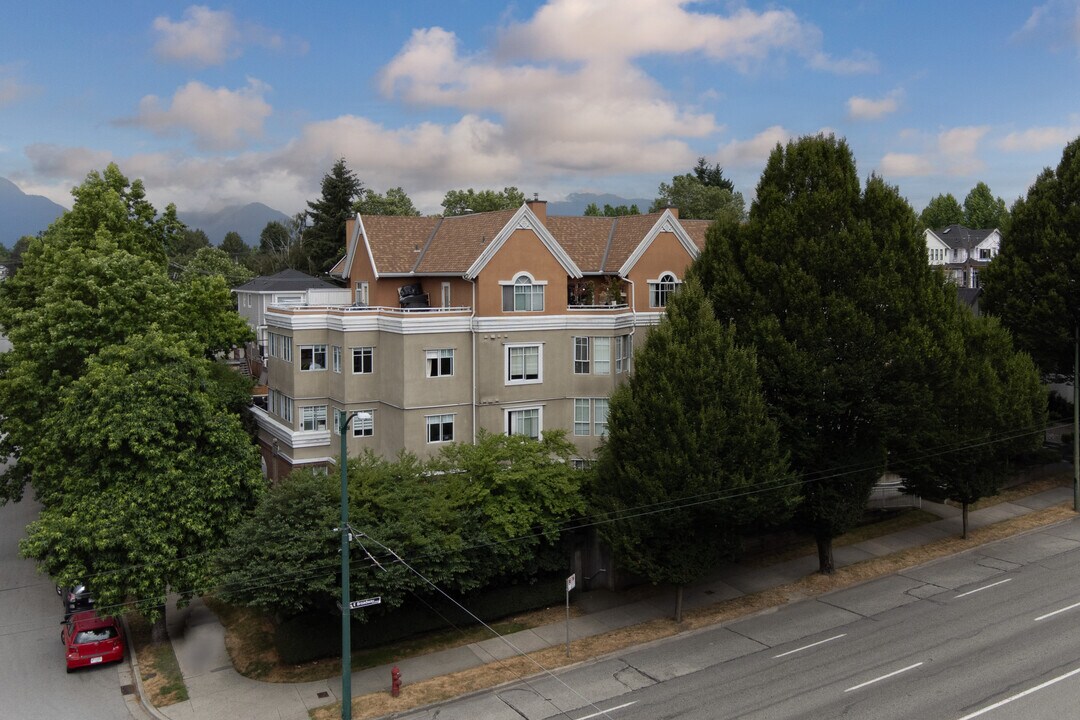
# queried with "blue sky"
point(254, 101)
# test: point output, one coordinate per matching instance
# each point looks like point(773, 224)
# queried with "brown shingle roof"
point(630, 230)
point(395, 240)
point(696, 230)
point(585, 239)
point(459, 240)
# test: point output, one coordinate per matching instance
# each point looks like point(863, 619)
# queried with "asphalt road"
point(993, 633)
point(33, 684)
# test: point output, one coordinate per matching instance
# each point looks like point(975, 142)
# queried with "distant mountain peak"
point(22, 214)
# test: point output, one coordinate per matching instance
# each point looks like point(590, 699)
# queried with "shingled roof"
point(961, 238)
point(451, 245)
point(284, 281)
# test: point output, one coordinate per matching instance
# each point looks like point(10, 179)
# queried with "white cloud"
point(906, 165)
point(1054, 24)
point(1037, 139)
point(206, 37)
point(950, 152)
point(219, 118)
point(860, 108)
point(12, 90)
point(957, 148)
point(756, 150)
point(620, 30)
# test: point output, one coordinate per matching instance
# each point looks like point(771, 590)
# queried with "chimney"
point(539, 208)
point(674, 210)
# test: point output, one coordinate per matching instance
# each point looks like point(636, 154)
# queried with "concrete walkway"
point(218, 692)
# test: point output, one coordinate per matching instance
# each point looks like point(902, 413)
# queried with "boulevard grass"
point(159, 671)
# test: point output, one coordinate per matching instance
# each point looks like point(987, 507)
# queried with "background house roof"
point(960, 237)
point(284, 281)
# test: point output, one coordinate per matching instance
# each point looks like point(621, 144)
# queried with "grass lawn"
point(160, 673)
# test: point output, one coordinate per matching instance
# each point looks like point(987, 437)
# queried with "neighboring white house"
point(962, 251)
point(288, 287)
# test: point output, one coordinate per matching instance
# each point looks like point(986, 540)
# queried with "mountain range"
point(22, 214)
point(248, 220)
point(575, 203)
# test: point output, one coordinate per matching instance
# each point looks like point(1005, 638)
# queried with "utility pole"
point(346, 639)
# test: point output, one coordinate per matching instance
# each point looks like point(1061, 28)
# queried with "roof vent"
point(416, 247)
point(483, 238)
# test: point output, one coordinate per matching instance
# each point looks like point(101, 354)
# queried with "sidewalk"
point(218, 692)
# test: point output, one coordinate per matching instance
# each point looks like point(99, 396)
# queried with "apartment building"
point(510, 321)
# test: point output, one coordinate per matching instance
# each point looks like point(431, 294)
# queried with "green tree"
point(215, 261)
point(831, 285)
point(990, 411)
point(942, 211)
point(690, 440)
point(324, 239)
point(186, 243)
point(274, 238)
point(395, 202)
point(712, 175)
point(234, 246)
point(1032, 284)
point(983, 210)
point(698, 201)
point(460, 202)
point(141, 471)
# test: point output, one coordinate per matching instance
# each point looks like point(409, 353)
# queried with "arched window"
point(523, 295)
point(660, 290)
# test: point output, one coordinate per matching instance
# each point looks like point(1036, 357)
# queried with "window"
point(523, 295)
point(337, 421)
point(440, 363)
point(600, 408)
point(286, 348)
point(335, 358)
point(313, 417)
point(601, 355)
point(581, 416)
point(524, 364)
point(581, 355)
point(363, 360)
point(363, 424)
point(623, 351)
point(281, 405)
point(440, 428)
point(984, 253)
point(312, 357)
point(446, 294)
point(360, 296)
point(288, 299)
point(580, 464)
point(660, 290)
point(523, 422)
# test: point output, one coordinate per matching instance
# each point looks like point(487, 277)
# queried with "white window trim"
point(436, 354)
point(352, 359)
point(587, 422)
point(312, 347)
point(507, 412)
point(653, 283)
point(588, 354)
point(313, 409)
point(428, 423)
point(539, 363)
point(361, 293)
point(335, 358)
point(367, 418)
point(445, 297)
point(532, 281)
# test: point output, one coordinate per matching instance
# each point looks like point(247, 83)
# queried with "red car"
point(91, 639)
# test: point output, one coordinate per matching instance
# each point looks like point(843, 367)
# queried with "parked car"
point(75, 598)
point(91, 639)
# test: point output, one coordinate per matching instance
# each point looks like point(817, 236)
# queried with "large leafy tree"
point(215, 261)
point(1033, 285)
point(324, 239)
point(141, 471)
point(942, 211)
point(704, 194)
point(983, 210)
point(830, 284)
point(460, 202)
point(234, 246)
point(395, 202)
point(692, 458)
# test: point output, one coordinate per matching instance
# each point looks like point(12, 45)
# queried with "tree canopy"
point(592, 210)
point(234, 246)
point(394, 202)
point(324, 239)
point(460, 202)
point(702, 195)
point(689, 437)
point(215, 261)
point(983, 210)
point(1032, 284)
point(942, 211)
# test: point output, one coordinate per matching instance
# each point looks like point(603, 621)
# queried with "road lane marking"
point(605, 712)
point(807, 647)
point(1008, 700)
point(984, 587)
point(1052, 614)
point(883, 677)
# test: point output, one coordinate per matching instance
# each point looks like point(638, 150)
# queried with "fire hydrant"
point(395, 681)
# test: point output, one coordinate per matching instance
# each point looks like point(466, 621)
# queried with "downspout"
point(472, 334)
point(633, 328)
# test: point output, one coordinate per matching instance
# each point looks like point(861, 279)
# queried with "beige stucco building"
point(509, 321)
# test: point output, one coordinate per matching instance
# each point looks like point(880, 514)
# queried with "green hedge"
point(316, 635)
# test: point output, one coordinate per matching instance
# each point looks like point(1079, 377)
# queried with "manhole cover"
point(127, 689)
point(322, 695)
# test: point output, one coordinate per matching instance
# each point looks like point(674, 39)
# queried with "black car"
point(75, 598)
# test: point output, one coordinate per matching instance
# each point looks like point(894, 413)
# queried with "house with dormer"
point(509, 321)
point(962, 252)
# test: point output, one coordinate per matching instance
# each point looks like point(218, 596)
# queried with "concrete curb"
point(133, 665)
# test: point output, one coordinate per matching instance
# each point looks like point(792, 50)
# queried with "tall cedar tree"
point(827, 283)
point(1033, 285)
point(324, 240)
point(692, 458)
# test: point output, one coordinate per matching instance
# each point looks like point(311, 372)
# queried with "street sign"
point(356, 604)
point(571, 582)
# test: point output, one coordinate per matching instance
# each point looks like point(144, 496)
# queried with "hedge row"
point(317, 635)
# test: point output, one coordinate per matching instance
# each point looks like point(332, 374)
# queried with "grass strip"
point(159, 671)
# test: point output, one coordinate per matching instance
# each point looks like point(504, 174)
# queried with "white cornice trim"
point(354, 242)
point(666, 223)
point(524, 219)
point(347, 322)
